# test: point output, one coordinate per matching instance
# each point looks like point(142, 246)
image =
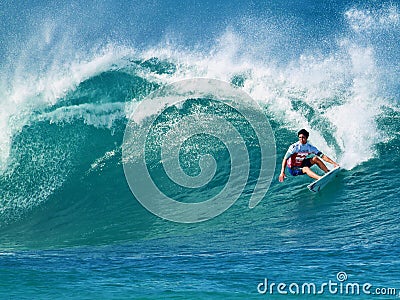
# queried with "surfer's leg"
point(307, 170)
point(316, 160)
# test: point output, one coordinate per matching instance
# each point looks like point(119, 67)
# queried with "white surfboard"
point(319, 184)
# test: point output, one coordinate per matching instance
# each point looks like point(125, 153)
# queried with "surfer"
point(301, 156)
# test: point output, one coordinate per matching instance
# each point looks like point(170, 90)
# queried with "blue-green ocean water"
point(71, 73)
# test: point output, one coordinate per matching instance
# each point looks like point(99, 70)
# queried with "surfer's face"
point(302, 139)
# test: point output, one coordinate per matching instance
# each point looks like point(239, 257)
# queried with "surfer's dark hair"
point(304, 132)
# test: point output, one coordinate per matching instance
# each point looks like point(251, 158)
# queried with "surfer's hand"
point(282, 177)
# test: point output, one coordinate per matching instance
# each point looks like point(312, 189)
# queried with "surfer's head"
point(303, 135)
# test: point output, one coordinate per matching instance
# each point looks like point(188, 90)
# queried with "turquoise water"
point(72, 74)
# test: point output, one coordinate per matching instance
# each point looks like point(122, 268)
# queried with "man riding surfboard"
point(301, 156)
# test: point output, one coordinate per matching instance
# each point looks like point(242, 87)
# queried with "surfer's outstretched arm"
point(327, 159)
point(282, 176)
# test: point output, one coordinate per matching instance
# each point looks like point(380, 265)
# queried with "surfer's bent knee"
point(316, 159)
